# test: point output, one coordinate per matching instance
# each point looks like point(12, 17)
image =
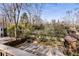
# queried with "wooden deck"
point(11, 51)
point(14, 51)
point(5, 40)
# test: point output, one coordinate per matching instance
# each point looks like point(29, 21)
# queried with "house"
point(1, 30)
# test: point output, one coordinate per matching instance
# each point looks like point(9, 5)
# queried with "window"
point(1, 29)
point(1, 34)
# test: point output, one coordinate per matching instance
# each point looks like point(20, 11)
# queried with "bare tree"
point(69, 15)
point(38, 9)
point(12, 12)
point(24, 18)
point(33, 9)
point(76, 15)
point(28, 8)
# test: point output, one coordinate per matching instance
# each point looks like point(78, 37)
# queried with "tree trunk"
point(16, 31)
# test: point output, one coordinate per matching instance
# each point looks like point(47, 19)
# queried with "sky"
point(57, 10)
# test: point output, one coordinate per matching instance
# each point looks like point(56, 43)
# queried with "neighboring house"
point(1, 30)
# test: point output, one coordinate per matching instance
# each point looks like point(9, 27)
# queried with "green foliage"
point(59, 30)
point(10, 30)
point(38, 27)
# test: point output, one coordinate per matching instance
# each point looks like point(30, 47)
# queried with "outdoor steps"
point(32, 49)
point(39, 50)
